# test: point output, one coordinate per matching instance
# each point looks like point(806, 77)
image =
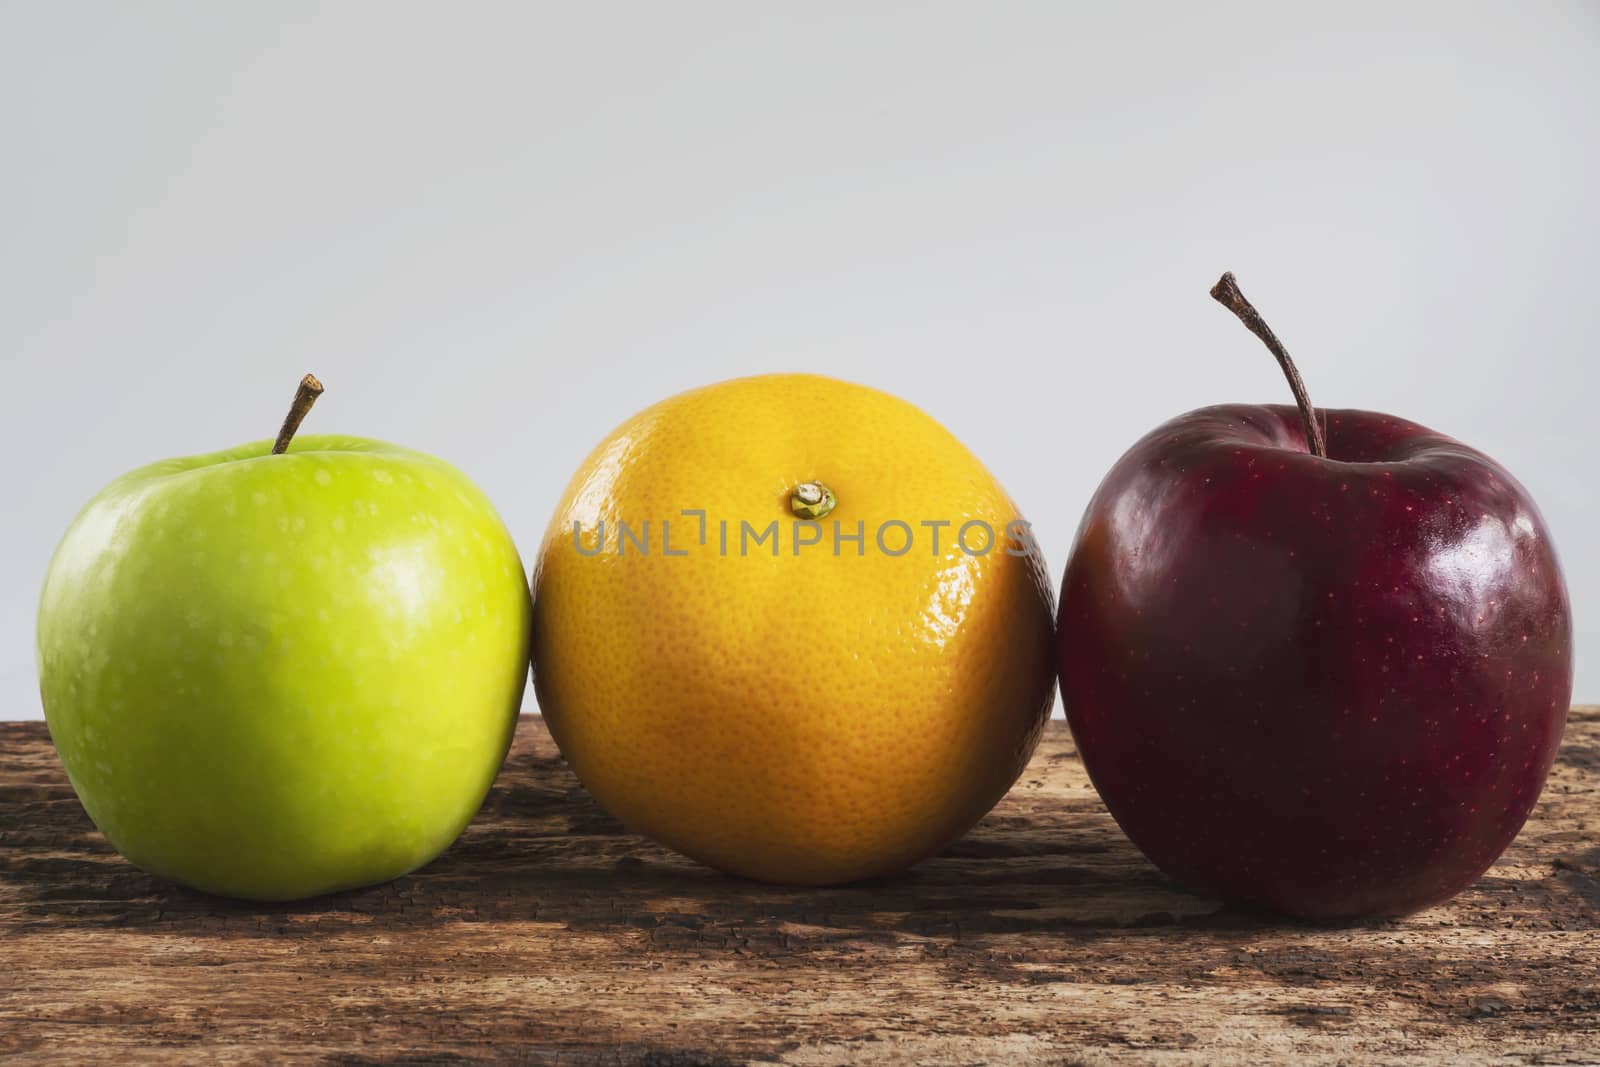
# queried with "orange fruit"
point(801, 707)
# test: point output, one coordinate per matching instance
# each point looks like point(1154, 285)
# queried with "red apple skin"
point(1328, 687)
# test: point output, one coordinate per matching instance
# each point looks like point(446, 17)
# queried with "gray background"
point(497, 230)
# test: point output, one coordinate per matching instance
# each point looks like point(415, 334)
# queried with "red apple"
point(1324, 677)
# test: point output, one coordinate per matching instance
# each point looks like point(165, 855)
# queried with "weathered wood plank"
point(549, 934)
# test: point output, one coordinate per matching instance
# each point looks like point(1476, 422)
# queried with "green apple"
point(273, 676)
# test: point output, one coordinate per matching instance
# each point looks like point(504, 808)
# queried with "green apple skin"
point(277, 676)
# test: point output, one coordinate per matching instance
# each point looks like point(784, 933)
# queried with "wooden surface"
point(547, 934)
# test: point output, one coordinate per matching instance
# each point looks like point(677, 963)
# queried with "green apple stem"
point(1226, 292)
point(304, 397)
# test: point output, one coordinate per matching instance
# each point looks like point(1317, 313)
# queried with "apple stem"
point(304, 397)
point(1226, 292)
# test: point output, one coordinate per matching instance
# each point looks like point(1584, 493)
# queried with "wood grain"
point(548, 934)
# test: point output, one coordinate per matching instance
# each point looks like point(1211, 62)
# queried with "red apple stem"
point(1226, 292)
point(304, 397)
